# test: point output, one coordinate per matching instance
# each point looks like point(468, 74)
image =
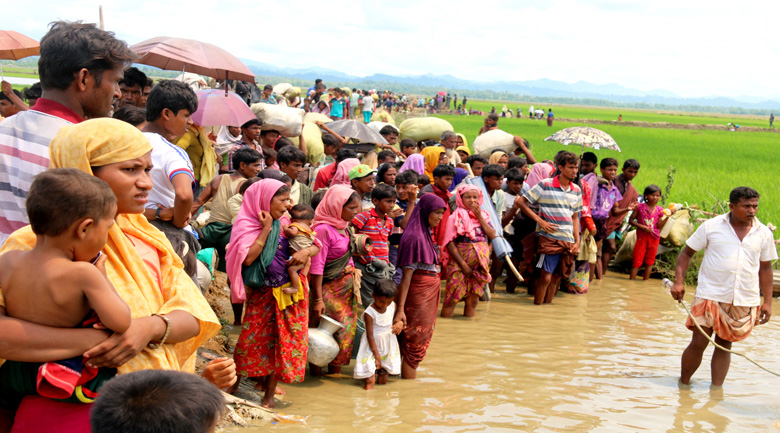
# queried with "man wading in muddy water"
point(735, 272)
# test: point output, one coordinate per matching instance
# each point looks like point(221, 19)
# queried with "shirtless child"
point(301, 236)
point(62, 282)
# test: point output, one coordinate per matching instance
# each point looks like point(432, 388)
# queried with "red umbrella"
point(216, 108)
point(442, 93)
point(178, 54)
point(15, 46)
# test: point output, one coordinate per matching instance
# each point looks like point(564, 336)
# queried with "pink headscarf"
point(462, 221)
point(245, 230)
point(414, 162)
point(538, 172)
point(329, 210)
point(342, 171)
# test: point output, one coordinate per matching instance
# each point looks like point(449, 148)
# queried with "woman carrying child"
point(467, 261)
point(141, 265)
point(418, 294)
point(273, 342)
point(649, 219)
point(332, 271)
point(379, 355)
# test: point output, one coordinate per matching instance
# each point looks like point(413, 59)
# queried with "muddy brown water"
point(607, 361)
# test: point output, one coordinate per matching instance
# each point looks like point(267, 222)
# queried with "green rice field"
point(629, 115)
point(709, 163)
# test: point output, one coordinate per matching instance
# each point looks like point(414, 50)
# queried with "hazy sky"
point(689, 47)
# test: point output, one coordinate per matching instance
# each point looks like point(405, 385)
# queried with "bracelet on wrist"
point(167, 331)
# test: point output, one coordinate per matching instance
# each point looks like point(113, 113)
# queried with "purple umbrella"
point(217, 108)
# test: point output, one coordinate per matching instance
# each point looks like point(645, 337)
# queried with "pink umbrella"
point(15, 46)
point(442, 93)
point(178, 54)
point(217, 108)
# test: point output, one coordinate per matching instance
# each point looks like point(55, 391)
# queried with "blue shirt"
point(337, 107)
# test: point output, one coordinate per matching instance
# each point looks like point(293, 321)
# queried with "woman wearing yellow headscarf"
point(164, 302)
point(499, 157)
point(462, 141)
point(433, 156)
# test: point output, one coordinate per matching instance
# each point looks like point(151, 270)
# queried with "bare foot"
point(277, 391)
point(290, 290)
point(268, 402)
point(369, 383)
point(381, 378)
point(334, 369)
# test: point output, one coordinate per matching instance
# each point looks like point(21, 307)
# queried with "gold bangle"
point(260, 244)
point(167, 331)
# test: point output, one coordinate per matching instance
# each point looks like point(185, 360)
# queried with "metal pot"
point(323, 348)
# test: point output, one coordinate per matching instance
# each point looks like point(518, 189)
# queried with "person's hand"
point(517, 202)
point(7, 88)
point(397, 328)
point(547, 227)
point(265, 218)
point(117, 349)
point(378, 363)
point(317, 310)
point(100, 263)
point(677, 290)
point(467, 271)
point(166, 214)
point(221, 372)
point(212, 137)
point(765, 313)
point(574, 248)
point(592, 233)
point(397, 152)
point(632, 205)
point(298, 258)
point(400, 316)
point(477, 211)
point(318, 123)
point(395, 213)
point(411, 194)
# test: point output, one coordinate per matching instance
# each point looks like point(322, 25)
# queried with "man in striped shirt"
point(558, 224)
point(80, 68)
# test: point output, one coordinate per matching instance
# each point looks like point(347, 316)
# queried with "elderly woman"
point(332, 271)
point(273, 341)
point(171, 319)
point(418, 295)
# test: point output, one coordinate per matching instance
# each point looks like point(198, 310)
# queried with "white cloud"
point(692, 48)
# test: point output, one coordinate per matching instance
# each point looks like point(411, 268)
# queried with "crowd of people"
point(105, 173)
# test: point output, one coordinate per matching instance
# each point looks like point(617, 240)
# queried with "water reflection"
point(607, 361)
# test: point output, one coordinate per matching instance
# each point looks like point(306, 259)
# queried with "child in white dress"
point(379, 353)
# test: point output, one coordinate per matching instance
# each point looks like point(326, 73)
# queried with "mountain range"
point(517, 89)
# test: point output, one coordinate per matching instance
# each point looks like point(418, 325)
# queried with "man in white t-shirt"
point(735, 272)
point(354, 103)
point(168, 111)
point(368, 106)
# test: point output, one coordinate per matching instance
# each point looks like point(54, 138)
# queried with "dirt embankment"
point(666, 125)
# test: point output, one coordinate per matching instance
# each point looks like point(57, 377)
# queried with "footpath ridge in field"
point(665, 125)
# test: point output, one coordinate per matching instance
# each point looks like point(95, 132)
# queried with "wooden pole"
point(102, 27)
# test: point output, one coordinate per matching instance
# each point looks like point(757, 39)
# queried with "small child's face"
point(381, 303)
point(385, 205)
point(652, 199)
point(514, 186)
point(409, 150)
point(269, 161)
point(93, 237)
point(609, 172)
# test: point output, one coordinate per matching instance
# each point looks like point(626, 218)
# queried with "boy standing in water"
point(558, 224)
point(735, 273)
